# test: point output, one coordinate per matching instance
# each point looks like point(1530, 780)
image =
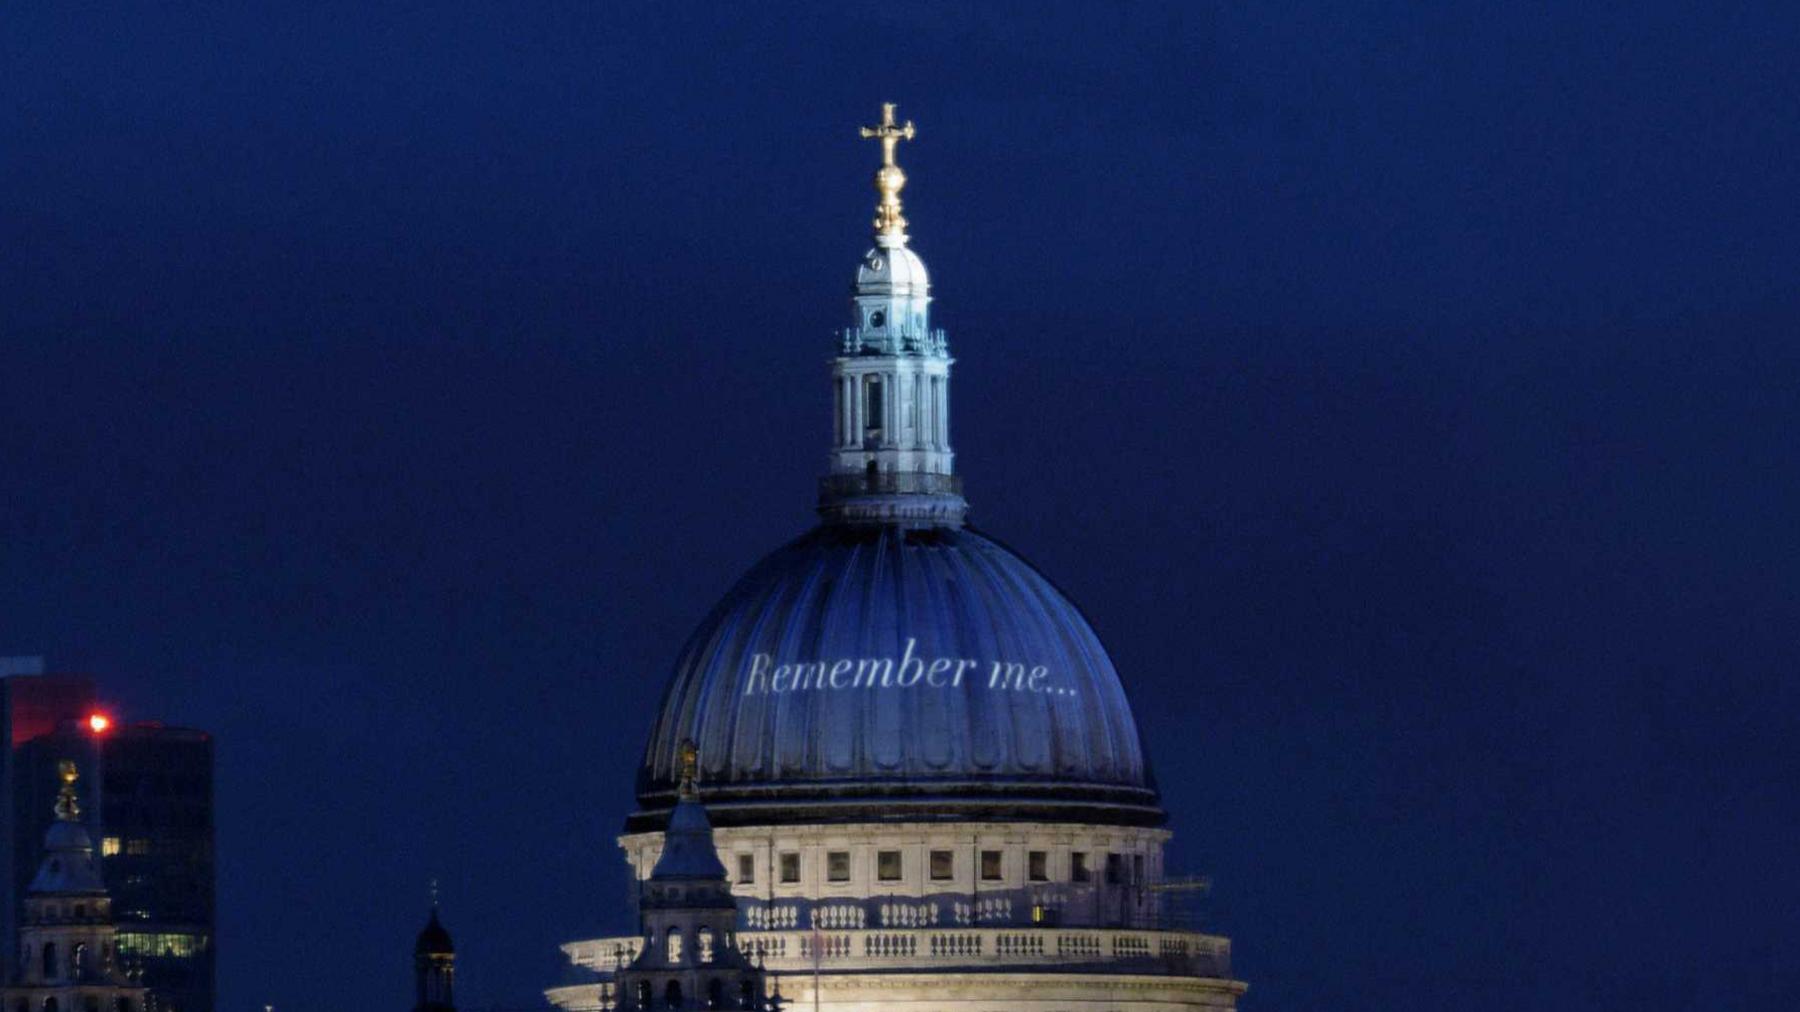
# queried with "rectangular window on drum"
point(1078, 868)
point(790, 867)
point(1037, 866)
point(1114, 868)
point(837, 866)
point(990, 866)
point(746, 868)
point(943, 865)
point(887, 865)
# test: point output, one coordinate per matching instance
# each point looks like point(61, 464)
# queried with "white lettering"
point(810, 675)
point(1007, 675)
point(918, 666)
point(869, 665)
point(759, 673)
point(911, 669)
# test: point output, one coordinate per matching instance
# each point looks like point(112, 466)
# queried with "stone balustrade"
point(1181, 953)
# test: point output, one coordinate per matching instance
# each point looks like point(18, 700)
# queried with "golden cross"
point(889, 179)
point(889, 132)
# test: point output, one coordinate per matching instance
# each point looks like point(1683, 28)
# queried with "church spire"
point(891, 461)
point(434, 964)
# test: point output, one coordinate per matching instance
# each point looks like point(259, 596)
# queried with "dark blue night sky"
point(1408, 393)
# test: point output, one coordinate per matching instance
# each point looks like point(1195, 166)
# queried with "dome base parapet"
point(951, 801)
point(908, 499)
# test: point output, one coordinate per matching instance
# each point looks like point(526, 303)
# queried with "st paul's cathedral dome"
point(896, 753)
point(871, 671)
point(894, 664)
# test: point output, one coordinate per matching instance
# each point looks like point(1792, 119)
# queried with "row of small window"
point(79, 967)
point(89, 1004)
point(890, 866)
point(715, 995)
point(79, 912)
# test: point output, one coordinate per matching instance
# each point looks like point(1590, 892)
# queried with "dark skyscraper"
point(150, 812)
point(157, 857)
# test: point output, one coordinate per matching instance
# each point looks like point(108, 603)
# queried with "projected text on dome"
point(767, 674)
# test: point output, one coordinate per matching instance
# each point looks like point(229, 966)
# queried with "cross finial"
point(890, 133)
point(690, 768)
point(889, 179)
point(68, 806)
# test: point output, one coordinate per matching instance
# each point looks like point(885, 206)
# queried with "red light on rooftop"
point(99, 722)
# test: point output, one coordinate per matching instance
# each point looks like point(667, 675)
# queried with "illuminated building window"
point(790, 867)
point(990, 866)
point(746, 867)
point(1078, 868)
point(109, 846)
point(943, 865)
point(887, 865)
point(837, 866)
point(1037, 866)
point(143, 944)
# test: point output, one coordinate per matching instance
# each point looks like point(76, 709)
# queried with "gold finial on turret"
point(690, 768)
point(68, 807)
point(889, 179)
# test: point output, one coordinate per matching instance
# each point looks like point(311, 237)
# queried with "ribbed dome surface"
point(871, 672)
point(893, 270)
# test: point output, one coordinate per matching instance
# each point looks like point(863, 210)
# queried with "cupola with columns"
point(68, 959)
point(891, 460)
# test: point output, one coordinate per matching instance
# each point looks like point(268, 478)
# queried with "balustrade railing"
point(1183, 953)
